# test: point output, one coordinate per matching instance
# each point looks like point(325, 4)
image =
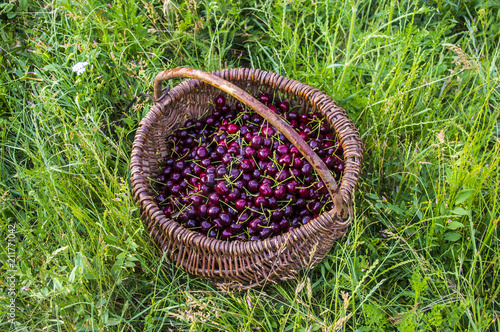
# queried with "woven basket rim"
point(234, 247)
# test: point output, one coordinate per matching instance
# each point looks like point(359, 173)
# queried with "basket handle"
point(267, 114)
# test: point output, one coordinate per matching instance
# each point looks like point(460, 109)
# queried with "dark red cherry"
point(213, 211)
point(221, 188)
point(220, 171)
point(264, 233)
point(205, 162)
point(168, 210)
point(282, 175)
point(225, 218)
point(285, 160)
point(205, 226)
point(295, 172)
point(196, 200)
point(321, 188)
point(268, 131)
point(243, 130)
point(234, 174)
point(184, 185)
point(221, 150)
point(263, 153)
point(167, 171)
point(202, 210)
point(226, 158)
point(197, 170)
point(232, 128)
point(187, 172)
point(304, 192)
point(240, 204)
point(329, 161)
point(183, 217)
point(175, 177)
point(240, 184)
point(253, 186)
point(279, 191)
point(179, 165)
point(306, 219)
point(288, 211)
point(265, 189)
point(338, 147)
point(272, 202)
point(226, 234)
point(282, 149)
point(306, 169)
point(232, 211)
point(160, 198)
point(284, 106)
point(246, 166)
point(248, 137)
point(214, 198)
point(233, 194)
point(243, 217)
point(236, 228)
point(175, 189)
point(291, 186)
point(284, 224)
point(246, 177)
point(260, 201)
point(301, 202)
point(191, 223)
point(292, 116)
point(271, 169)
point(233, 150)
point(265, 98)
point(314, 206)
point(276, 215)
point(182, 134)
point(220, 101)
point(256, 142)
point(273, 108)
point(249, 151)
point(208, 180)
point(255, 224)
point(267, 142)
point(314, 144)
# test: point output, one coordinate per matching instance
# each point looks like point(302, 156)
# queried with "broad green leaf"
point(372, 196)
point(52, 67)
point(72, 275)
point(395, 208)
point(455, 225)
point(442, 209)
point(463, 195)
point(452, 236)
point(460, 211)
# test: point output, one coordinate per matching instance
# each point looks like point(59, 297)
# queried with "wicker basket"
point(242, 265)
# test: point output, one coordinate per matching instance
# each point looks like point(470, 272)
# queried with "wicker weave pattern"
point(239, 265)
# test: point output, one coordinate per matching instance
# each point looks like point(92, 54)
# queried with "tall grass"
point(419, 79)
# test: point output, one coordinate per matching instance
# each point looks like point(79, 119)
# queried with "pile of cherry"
point(232, 176)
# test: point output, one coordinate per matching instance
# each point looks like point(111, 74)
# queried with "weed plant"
point(420, 80)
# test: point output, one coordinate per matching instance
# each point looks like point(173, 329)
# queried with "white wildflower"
point(79, 67)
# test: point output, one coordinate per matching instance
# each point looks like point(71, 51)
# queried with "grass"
point(420, 80)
